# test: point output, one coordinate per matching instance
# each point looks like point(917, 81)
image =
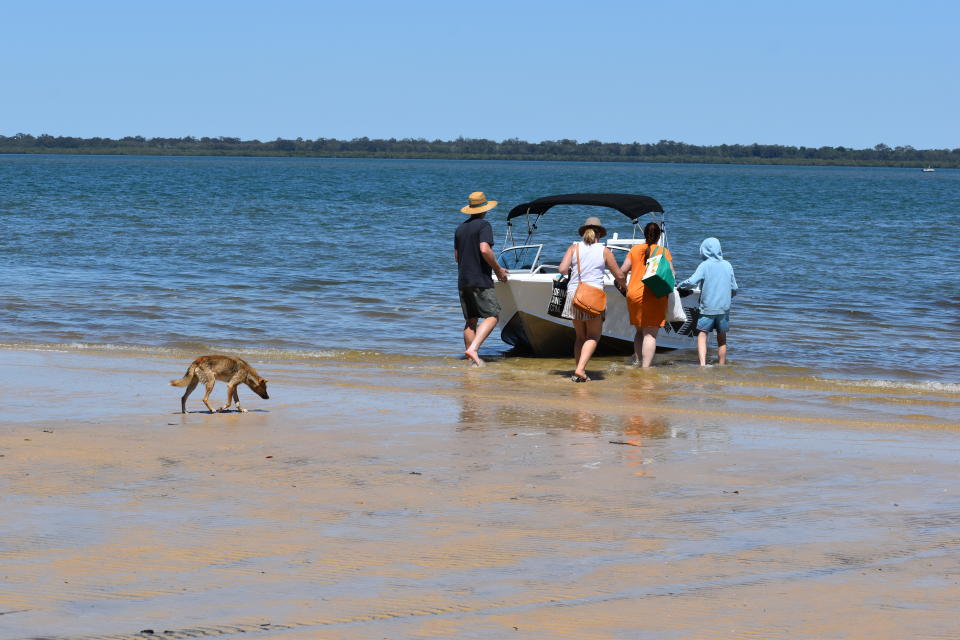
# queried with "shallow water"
point(416, 497)
point(845, 272)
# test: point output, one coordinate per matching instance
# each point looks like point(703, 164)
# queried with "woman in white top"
point(593, 258)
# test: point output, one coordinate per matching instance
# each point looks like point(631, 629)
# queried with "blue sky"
point(799, 73)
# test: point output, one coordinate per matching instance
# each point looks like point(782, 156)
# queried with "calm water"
point(844, 272)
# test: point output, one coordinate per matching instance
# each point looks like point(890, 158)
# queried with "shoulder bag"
point(588, 298)
point(658, 277)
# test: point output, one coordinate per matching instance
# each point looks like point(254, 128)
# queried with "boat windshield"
point(524, 257)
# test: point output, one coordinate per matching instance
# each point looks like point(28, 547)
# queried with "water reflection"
point(634, 424)
point(643, 427)
point(625, 411)
point(646, 390)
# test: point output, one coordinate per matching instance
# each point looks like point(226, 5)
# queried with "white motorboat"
point(928, 169)
point(525, 297)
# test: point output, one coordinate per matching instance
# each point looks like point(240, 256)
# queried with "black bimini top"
point(632, 206)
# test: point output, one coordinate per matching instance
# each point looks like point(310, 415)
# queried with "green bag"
point(659, 275)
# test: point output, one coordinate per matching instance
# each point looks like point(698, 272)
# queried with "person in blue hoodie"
point(717, 287)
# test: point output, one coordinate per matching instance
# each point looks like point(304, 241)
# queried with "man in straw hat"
point(473, 251)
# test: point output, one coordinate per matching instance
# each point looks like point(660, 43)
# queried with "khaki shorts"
point(479, 302)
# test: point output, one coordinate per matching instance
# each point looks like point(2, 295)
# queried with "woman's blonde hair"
point(590, 235)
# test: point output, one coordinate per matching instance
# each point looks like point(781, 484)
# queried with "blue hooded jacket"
point(715, 277)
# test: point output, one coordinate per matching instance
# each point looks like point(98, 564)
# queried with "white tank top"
point(592, 262)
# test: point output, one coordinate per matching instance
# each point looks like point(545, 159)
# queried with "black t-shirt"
point(474, 270)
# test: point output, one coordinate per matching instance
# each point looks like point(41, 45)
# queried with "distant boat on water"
point(928, 169)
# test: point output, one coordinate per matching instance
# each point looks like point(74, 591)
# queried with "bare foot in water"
point(474, 357)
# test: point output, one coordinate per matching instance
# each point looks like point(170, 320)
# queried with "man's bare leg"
point(469, 332)
point(702, 347)
point(721, 348)
point(483, 330)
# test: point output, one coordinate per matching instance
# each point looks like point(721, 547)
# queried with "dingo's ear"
point(265, 381)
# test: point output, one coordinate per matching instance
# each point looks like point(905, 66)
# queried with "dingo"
point(209, 369)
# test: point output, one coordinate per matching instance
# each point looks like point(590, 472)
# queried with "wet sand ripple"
point(433, 509)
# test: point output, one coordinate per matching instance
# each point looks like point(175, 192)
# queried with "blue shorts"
point(719, 322)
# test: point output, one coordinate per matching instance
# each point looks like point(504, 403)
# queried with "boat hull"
point(525, 324)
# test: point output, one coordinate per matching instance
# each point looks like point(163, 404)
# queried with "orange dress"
point(644, 308)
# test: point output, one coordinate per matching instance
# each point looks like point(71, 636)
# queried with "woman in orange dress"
point(647, 311)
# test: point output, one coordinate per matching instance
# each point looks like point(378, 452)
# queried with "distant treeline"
point(481, 149)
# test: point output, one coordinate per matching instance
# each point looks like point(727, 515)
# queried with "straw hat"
point(478, 203)
point(596, 224)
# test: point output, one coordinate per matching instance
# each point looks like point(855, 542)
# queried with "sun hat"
point(596, 224)
point(478, 203)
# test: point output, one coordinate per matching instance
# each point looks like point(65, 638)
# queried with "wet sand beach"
point(394, 497)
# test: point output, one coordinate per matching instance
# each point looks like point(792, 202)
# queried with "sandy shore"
point(388, 499)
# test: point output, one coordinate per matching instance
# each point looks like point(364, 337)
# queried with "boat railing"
point(520, 258)
point(618, 252)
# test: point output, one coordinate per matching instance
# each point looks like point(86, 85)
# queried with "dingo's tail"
point(184, 381)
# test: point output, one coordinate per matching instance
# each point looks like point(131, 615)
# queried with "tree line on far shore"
point(482, 149)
